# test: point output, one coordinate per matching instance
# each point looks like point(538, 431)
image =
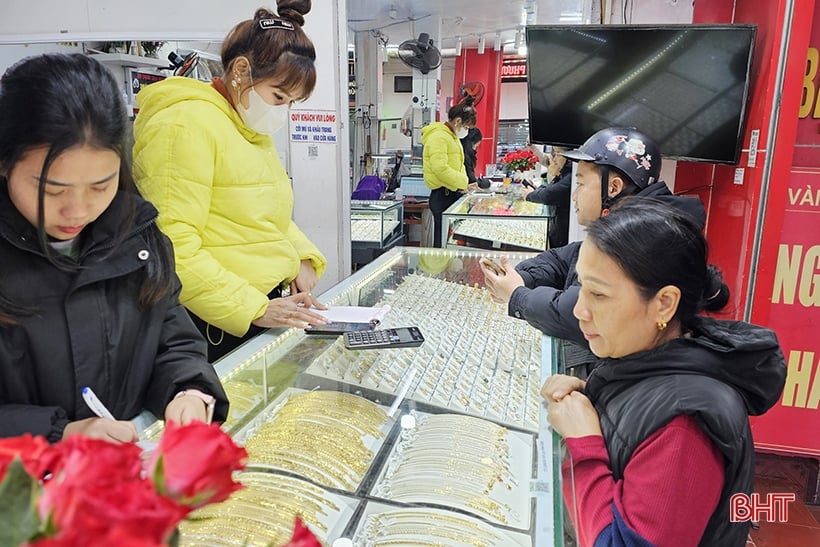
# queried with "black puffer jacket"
point(720, 374)
point(551, 284)
point(87, 330)
point(557, 194)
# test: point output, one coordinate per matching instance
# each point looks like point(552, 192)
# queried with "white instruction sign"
point(313, 126)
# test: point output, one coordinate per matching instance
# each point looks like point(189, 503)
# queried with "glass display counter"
point(375, 226)
point(504, 222)
point(415, 446)
point(376, 223)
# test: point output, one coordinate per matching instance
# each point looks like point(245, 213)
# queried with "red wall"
point(732, 209)
point(485, 68)
point(787, 294)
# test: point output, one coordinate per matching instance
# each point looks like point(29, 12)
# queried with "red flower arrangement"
point(88, 492)
point(520, 160)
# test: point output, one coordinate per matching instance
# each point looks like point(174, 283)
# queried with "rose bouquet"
point(519, 160)
point(88, 492)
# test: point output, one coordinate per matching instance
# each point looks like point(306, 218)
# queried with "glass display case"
point(410, 446)
point(375, 226)
point(498, 221)
point(376, 223)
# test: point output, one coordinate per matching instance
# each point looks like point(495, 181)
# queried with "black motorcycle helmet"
point(626, 149)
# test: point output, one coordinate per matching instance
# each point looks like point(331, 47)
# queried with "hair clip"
point(266, 24)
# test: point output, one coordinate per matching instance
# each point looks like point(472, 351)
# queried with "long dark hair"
point(656, 245)
point(276, 46)
point(60, 102)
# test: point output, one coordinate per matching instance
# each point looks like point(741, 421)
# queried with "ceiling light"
point(481, 45)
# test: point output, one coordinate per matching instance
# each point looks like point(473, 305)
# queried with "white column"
point(320, 170)
point(426, 92)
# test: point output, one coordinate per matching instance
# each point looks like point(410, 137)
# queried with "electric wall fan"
point(471, 89)
point(420, 53)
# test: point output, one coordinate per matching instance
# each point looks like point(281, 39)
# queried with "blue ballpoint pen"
point(95, 404)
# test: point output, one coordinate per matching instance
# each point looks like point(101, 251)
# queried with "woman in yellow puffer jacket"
point(204, 156)
point(443, 165)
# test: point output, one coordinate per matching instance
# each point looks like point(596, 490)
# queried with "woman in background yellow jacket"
point(443, 165)
point(204, 156)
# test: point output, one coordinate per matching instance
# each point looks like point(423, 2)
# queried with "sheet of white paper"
point(354, 314)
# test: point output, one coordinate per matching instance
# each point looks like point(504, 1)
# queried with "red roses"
point(194, 466)
point(89, 492)
point(520, 160)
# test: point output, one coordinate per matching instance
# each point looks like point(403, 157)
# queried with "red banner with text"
point(793, 425)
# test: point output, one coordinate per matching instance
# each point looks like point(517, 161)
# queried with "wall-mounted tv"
point(683, 85)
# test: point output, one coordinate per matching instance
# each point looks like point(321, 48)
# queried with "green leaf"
point(158, 477)
point(18, 513)
point(174, 540)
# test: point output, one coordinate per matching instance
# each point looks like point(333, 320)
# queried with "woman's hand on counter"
point(306, 280)
point(292, 311)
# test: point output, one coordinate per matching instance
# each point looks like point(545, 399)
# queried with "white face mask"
point(261, 116)
point(461, 133)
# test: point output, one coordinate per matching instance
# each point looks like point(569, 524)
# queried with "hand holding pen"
point(104, 425)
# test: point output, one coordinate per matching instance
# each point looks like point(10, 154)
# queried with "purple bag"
point(370, 187)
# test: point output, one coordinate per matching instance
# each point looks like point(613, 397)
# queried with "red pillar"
point(484, 68)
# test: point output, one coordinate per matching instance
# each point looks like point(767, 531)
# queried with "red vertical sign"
point(793, 425)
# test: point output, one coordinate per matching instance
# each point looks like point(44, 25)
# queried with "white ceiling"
point(467, 19)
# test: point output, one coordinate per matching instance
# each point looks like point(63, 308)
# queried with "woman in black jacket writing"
point(89, 293)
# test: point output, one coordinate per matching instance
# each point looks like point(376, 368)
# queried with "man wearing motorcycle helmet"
point(614, 163)
point(625, 158)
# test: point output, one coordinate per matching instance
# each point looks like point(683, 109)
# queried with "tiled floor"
point(776, 474)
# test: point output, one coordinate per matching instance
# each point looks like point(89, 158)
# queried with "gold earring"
point(235, 82)
point(661, 325)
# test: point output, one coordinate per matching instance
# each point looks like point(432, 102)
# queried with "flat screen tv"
point(683, 85)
